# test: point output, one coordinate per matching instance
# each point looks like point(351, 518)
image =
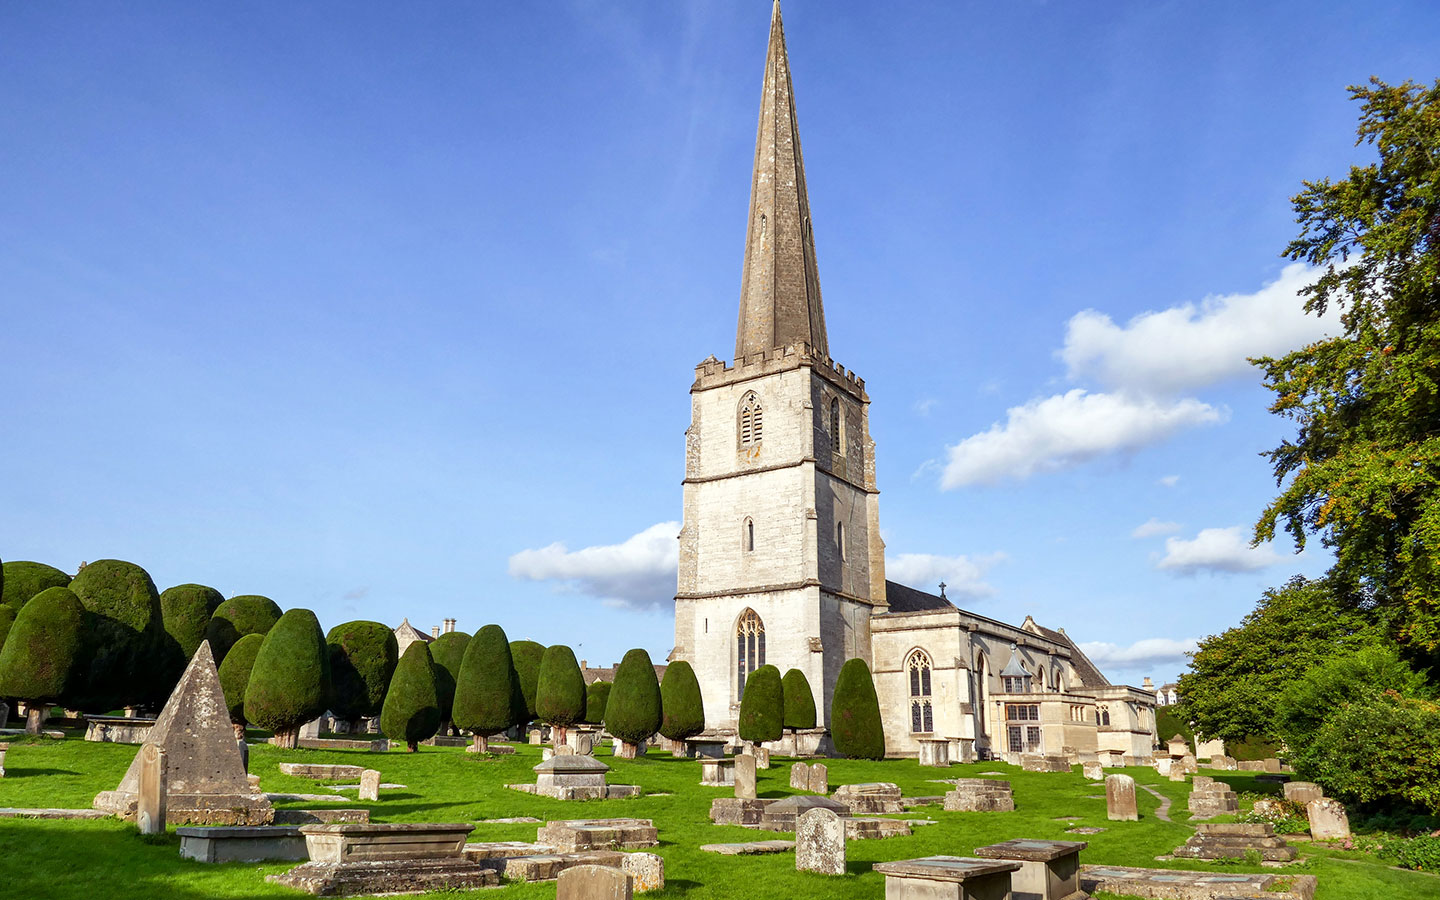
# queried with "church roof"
point(408, 631)
point(780, 286)
point(1090, 675)
point(903, 599)
point(1013, 669)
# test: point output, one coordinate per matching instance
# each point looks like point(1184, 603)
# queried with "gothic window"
point(750, 647)
point(748, 538)
point(1102, 716)
point(751, 422)
point(840, 538)
point(837, 440)
point(922, 714)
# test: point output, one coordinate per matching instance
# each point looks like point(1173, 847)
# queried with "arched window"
point(1102, 716)
point(840, 538)
point(751, 422)
point(922, 714)
point(837, 440)
point(1058, 680)
point(750, 647)
point(748, 538)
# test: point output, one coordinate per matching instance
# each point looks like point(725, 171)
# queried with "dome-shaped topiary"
point(682, 707)
point(762, 706)
point(597, 695)
point(7, 618)
point(560, 692)
point(21, 579)
point(290, 681)
point(39, 660)
point(486, 688)
point(527, 656)
point(855, 713)
point(126, 635)
point(235, 675)
point(799, 700)
point(412, 710)
point(634, 712)
point(185, 611)
point(448, 652)
point(363, 656)
point(239, 616)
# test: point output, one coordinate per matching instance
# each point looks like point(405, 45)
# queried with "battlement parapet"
point(712, 372)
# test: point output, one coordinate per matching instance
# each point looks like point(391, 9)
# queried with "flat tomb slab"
point(875, 829)
point(1049, 870)
point(575, 835)
point(321, 772)
point(1031, 850)
point(349, 843)
point(1178, 884)
point(15, 812)
point(735, 811)
point(749, 848)
point(253, 843)
point(548, 866)
point(945, 868)
point(381, 745)
point(322, 816)
point(401, 876)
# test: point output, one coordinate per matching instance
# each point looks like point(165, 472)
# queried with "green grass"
point(86, 860)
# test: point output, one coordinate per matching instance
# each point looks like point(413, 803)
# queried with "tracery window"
point(922, 713)
point(752, 426)
point(750, 647)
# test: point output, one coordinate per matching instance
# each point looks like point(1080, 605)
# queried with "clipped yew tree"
point(363, 655)
point(290, 679)
point(762, 706)
point(560, 692)
point(682, 710)
point(596, 696)
point(39, 660)
point(412, 709)
point(486, 688)
point(185, 612)
point(799, 700)
point(855, 713)
point(7, 618)
point(448, 651)
point(634, 711)
point(125, 632)
point(235, 678)
point(237, 617)
point(527, 656)
point(21, 579)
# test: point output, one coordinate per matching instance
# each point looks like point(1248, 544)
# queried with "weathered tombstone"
point(582, 742)
point(745, 765)
point(1120, 803)
point(594, 883)
point(934, 752)
point(535, 737)
point(717, 772)
point(1268, 808)
point(3, 748)
point(1163, 765)
point(310, 729)
point(1272, 765)
point(1049, 870)
point(150, 808)
point(1177, 746)
point(800, 777)
point(1302, 792)
point(1188, 764)
point(647, 871)
point(820, 842)
point(819, 779)
point(1093, 771)
point(1177, 771)
point(4, 714)
point(370, 785)
point(1328, 821)
point(1223, 762)
point(244, 749)
point(762, 756)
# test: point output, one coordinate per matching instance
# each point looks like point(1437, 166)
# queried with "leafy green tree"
point(682, 706)
point(486, 688)
point(527, 656)
point(762, 706)
point(855, 724)
point(239, 616)
point(1381, 750)
point(560, 692)
point(634, 711)
point(412, 707)
point(597, 695)
point(235, 678)
point(448, 651)
point(125, 629)
point(799, 700)
point(290, 680)
point(21, 579)
point(185, 612)
point(1236, 677)
point(1363, 470)
point(363, 656)
point(39, 660)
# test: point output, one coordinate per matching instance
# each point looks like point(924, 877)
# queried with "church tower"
point(781, 561)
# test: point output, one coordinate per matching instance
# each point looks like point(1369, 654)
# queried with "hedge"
point(363, 655)
point(21, 579)
point(185, 612)
point(448, 652)
point(855, 713)
point(762, 706)
point(290, 681)
point(634, 710)
point(487, 685)
point(527, 656)
point(799, 700)
point(235, 674)
point(682, 707)
point(560, 691)
point(412, 709)
point(596, 696)
point(125, 632)
point(39, 660)
point(7, 618)
point(239, 616)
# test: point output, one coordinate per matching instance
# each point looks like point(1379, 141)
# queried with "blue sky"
point(367, 307)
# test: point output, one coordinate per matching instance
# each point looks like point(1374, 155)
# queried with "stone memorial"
point(1269, 808)
point(594, 883)
point(820, 842)
point(535, 737)
point(800, 776)
point(1177, 772)
point(3, 749)
point(370, 785)
point(320, 772)
point(734, 811)
point(745, 766)
point(749, 848)
point(934, 752)
point(205, 778)
point(782, 814)
point(820, 778)
point(1209, 798)
point(1049, 870)
point(1163, 764)
point(1120, 805)
point(578, 835)
point(310, 729)
point(571, 777)
point(150, 801)
point(4, 714)
point(857, 829)
point(1178, 884)
point(1187, 764)
point(1222, 762)
point(980, 795)
point(717, 772)
point(1093, 771)
point(760, 754)
point(947, 878)
point(117, 729)
point(349, 860)
point(1328, 821)
point(1232, 841)
point(647, 870)
point(1035, 762)
point(705, 748)
point(876, 798)
point(243, 843)
point(1177, 746)
point(1302, 792)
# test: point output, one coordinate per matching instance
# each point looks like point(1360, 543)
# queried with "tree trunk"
point(628, 750)
point(289, 739)
point(557, 736)
point(411, 746)
point(35, 714)
point(239, 731)
point(482, 743)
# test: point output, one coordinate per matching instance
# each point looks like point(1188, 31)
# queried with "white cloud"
point(1057, 432)
point(964, 576)
point(1191, 345)
point(638, 573)
point(1216, 550)
point(1147, 653)
point(1168, 480)
point(1155, 528)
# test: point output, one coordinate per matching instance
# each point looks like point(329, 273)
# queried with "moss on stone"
point(682, 707)
point(239, 616)
point(290, 680)
point(762, 706)
point(363, 655)
point(799, 700)
point(38, 661)
point(235, 674)
point(634, 710)
point(22, 579)
point(560, 692)
point(412, 710)
point(855, 723)
point(487, 685)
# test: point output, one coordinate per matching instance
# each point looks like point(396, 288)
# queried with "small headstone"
point(3, 748)
point(310, 729)
point(370, 785)
point(745, 765)
point(150, 809)
point(762, 756)
point(594, 883)
point(1120, 799)
point(647, 871)
point(819, 779)
point(800, 777)
point(1302, 792)
point(1223, 762)
point(535, 737)
point(1272, 765)
point(820, 842)
point(1328, 821)
point(1093, 771)
point(4, 714)
point(1268, 808)
point(1177, 772)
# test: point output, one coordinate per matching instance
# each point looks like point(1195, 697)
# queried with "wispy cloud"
point(637, 573)
point(358, 593)
point(1147, 653)
point(964, 576)
point(1216, 550)
point(1154, 528)
point(1168, 480)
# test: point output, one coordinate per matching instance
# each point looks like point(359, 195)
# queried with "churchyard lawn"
point(84, 860)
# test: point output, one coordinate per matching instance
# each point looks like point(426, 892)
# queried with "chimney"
point(434, 631)
point(449, 625)
point(1147, 684)
point(584, 664)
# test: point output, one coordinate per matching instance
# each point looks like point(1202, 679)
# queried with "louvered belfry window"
point(752, 423)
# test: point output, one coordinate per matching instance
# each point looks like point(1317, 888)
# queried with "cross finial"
point(942, 590)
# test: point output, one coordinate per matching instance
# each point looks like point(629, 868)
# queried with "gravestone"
point(980, 795)
point(4, 714)
point(594, 883)
point(934, 752)
point(3, 749)
point(1177, 746)
point(1049, 870)
point(820, 842)
point(820, 779)
point(1093, 771)
point(535, 737)
point(871, 799)
point(783, 814)
point(800, 777)
point(579, 835)
point(1223, 762)
point(647, 871)
point(950, 877)
point(1177, 772)
point(1268, 808)
point(761, 755)
point(370, 785)
point(1209, 797)
point(1188, 765)
point(717, 772)
point(1302, 792)
point(1163, 764)
point(1120, 799)
point(1328, 821)
point(150, 806)
point(310, 729)
point(745, 765)
point(1234, 841)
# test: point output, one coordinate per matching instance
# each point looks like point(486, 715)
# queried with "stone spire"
point(780, 287)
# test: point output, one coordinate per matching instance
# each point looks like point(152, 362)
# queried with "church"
point(781, 559)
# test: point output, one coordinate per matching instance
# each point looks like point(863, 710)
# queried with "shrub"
point(21, 579)
point(363, 656)
point(527, 656)
point(762, 706)
point(560, 691)
point(126, 635)
point(596, 696)
point(290, 681)
point(7, 618)
point(1421, 852)
point(447, 652)
point(799, 700)
point(1382, 750)
point(634, 711)
point(235, 675)
point(855, 713)
point(682, 707)
point(412, 709)
point(237, 617)
point(185, 612)
point(38, 661)
point(486, 688)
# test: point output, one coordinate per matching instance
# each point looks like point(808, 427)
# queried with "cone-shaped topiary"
point(448, 652)
point(235, 676)
point(7, 618)
point(125, 631)
point(185, 612)
point(38, 661)
point(290, 681)
point(363, 656)
point(682, 708)
point(527, 656)
point(560, 692)
point(799, 700)
point(596, 696)
point(486, 687)
point(762, 706)
point(855, 713)
point(634, 711)
point(239, 616)
point(21, 579)
point(412, 711)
